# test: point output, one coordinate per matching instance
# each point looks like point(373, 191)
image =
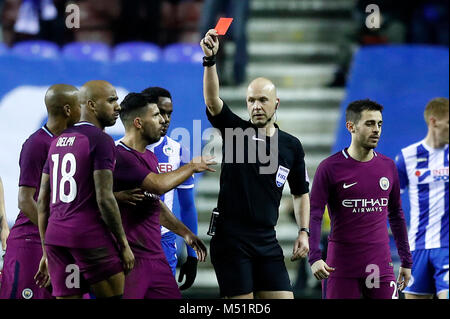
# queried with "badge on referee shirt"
point(282, 175)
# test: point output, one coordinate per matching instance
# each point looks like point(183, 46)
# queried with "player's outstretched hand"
point(197, 244)
point(42, 276)
point(321, 270)
point(301, 247)
point(188, 269)
point(210, 43)
point(127, 259)
point(130, 196)
point(203, 163)
point(404, 275)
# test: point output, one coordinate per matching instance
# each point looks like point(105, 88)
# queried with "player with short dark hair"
point(24, 250)
point(423, 169)
point(137, 167)
point(171, 155)
point(245, 253)
point(362, 191)
point(77, 212)
point(157, 91)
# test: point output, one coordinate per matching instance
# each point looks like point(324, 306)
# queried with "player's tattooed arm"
point(109, 210)
point(168, 220)
point(107, 204)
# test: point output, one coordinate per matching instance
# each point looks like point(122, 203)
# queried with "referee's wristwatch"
point(306, 230)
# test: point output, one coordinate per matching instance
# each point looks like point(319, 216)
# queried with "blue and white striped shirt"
point(424, 171)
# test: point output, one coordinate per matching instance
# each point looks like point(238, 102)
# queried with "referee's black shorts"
point(245, 264)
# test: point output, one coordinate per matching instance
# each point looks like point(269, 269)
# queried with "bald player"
point(247, 258)
point(77, 212)
point(24, 246)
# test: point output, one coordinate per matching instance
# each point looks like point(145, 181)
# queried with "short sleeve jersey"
point(254, 170)
point(140, 222)
point(32, 159)
point(171, 156)
point(75, 219)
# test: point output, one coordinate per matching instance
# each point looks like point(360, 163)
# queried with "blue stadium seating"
point(37, 49)
point(183, 52)
point(3, 48)
point(94, 51)
point(137, 51)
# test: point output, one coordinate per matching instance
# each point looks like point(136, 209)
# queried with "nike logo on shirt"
point(349, 185)
point(257, 139)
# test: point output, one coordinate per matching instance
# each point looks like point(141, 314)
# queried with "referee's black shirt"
point(248, 200)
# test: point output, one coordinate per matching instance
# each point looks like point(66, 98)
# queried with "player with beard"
point(172, 155)
point(137, 167)
point(362, 191)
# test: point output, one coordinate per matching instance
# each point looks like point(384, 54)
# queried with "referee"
point(245, 253)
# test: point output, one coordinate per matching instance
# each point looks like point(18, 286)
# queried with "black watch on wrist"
point(209, 60)
point(306, 230)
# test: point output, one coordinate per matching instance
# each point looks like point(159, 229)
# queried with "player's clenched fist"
point(321, 270)
point(210, 43)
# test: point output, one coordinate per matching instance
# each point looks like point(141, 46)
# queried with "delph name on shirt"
point(65, 141)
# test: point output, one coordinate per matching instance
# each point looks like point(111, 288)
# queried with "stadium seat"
point(94, 51)
point(183, 52)
point(37, 48)
point(137, 51)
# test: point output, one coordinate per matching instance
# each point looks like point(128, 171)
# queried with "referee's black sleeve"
point(298, 178)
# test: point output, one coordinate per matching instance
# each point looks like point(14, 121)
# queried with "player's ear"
point(277, 104)
point(350, 126)
point(67, 110)
point(90, 104)
point(432, 121)
point(137, 122)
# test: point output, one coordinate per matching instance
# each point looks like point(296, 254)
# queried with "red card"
point(223, 25)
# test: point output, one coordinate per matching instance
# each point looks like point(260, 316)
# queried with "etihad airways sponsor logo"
point(365, 205)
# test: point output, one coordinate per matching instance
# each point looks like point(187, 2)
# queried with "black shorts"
point(245, 264)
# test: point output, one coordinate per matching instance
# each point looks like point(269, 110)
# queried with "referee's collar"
point(274, 124)
point(257, 128)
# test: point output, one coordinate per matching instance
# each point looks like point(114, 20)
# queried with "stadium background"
point(319, 53)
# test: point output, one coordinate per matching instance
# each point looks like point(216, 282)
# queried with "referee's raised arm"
point(210, 46)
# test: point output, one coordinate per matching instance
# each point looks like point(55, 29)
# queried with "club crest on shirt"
point(384, 183)
point(281, 176)
point(27, 293)
point(168, 150)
